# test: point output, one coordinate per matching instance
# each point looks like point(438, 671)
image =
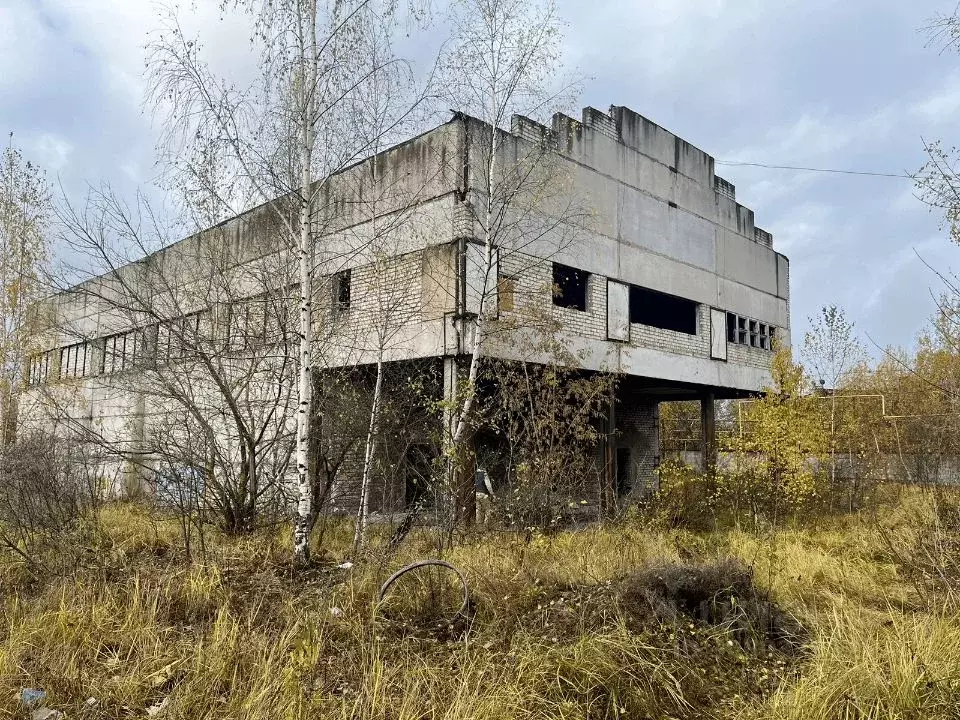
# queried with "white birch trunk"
point(305, 510)
point(363, 512)
point(463, 415)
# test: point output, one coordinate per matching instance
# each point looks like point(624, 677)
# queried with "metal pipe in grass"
point(462, 611)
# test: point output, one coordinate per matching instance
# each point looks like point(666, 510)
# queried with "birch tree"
point(24, 215)
point(281, 140)
point(390, 213)
point(504, 60)
point(832, 355)
point(830, 348)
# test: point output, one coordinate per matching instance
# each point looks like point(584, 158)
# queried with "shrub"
point(49, 489)
point(926, 546)
point(546, 427)
point(687, 497)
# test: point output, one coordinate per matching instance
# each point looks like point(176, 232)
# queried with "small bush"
point(746, 492)
point(687, 497)
point(48, 492)
point(926, 546)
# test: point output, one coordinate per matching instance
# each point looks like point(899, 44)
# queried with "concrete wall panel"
point(618, 311)
point(718, 334)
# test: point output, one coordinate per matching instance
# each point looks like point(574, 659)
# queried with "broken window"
point(259, 321)
point(341, 292)
point(746, 331)
point(73, 361)
point(659, 310)
point(178, 337)
point(166, 345)
point(570, 287)
point(39, 369)
point(247, 324)
point(119, 352)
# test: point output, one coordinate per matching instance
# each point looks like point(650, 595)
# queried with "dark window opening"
point(73, 361)
point(341, 291)
point(731, 327)
point(659, 310)
point(623, 471)
point(570, 287)
point(40, 367)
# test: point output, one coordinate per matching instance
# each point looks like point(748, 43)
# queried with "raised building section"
point(664, 279)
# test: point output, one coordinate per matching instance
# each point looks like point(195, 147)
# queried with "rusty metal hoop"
point(462, 611)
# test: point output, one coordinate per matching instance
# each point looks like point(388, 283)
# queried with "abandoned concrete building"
point(670, 286)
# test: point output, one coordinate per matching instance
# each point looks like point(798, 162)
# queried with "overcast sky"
point(845, 84)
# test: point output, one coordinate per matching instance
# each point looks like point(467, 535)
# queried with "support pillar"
point(708, 433)
point(638, 446)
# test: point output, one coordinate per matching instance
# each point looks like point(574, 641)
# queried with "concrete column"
point(708, 433)
point(638, 445)
point(462, 467)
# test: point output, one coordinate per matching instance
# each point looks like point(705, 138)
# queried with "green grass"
point(553, 635)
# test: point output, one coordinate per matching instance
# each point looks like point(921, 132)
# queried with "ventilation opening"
point(659, 310)
point(747, 331)
point(570, 287)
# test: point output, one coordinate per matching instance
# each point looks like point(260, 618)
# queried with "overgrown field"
point(851, 617)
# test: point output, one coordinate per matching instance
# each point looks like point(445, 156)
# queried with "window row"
point(73, 361)
point(252, 323)
point(117, 352)
point(657, 309)
point(646, 307)
point(747, 331)
point(38, 368)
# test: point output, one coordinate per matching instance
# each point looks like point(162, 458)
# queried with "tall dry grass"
point(878, 666)
point(551, 635)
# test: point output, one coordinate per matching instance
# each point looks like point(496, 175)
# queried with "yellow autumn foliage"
point(780, 459)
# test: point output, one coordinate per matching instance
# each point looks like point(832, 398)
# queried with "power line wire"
point(813, 169)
